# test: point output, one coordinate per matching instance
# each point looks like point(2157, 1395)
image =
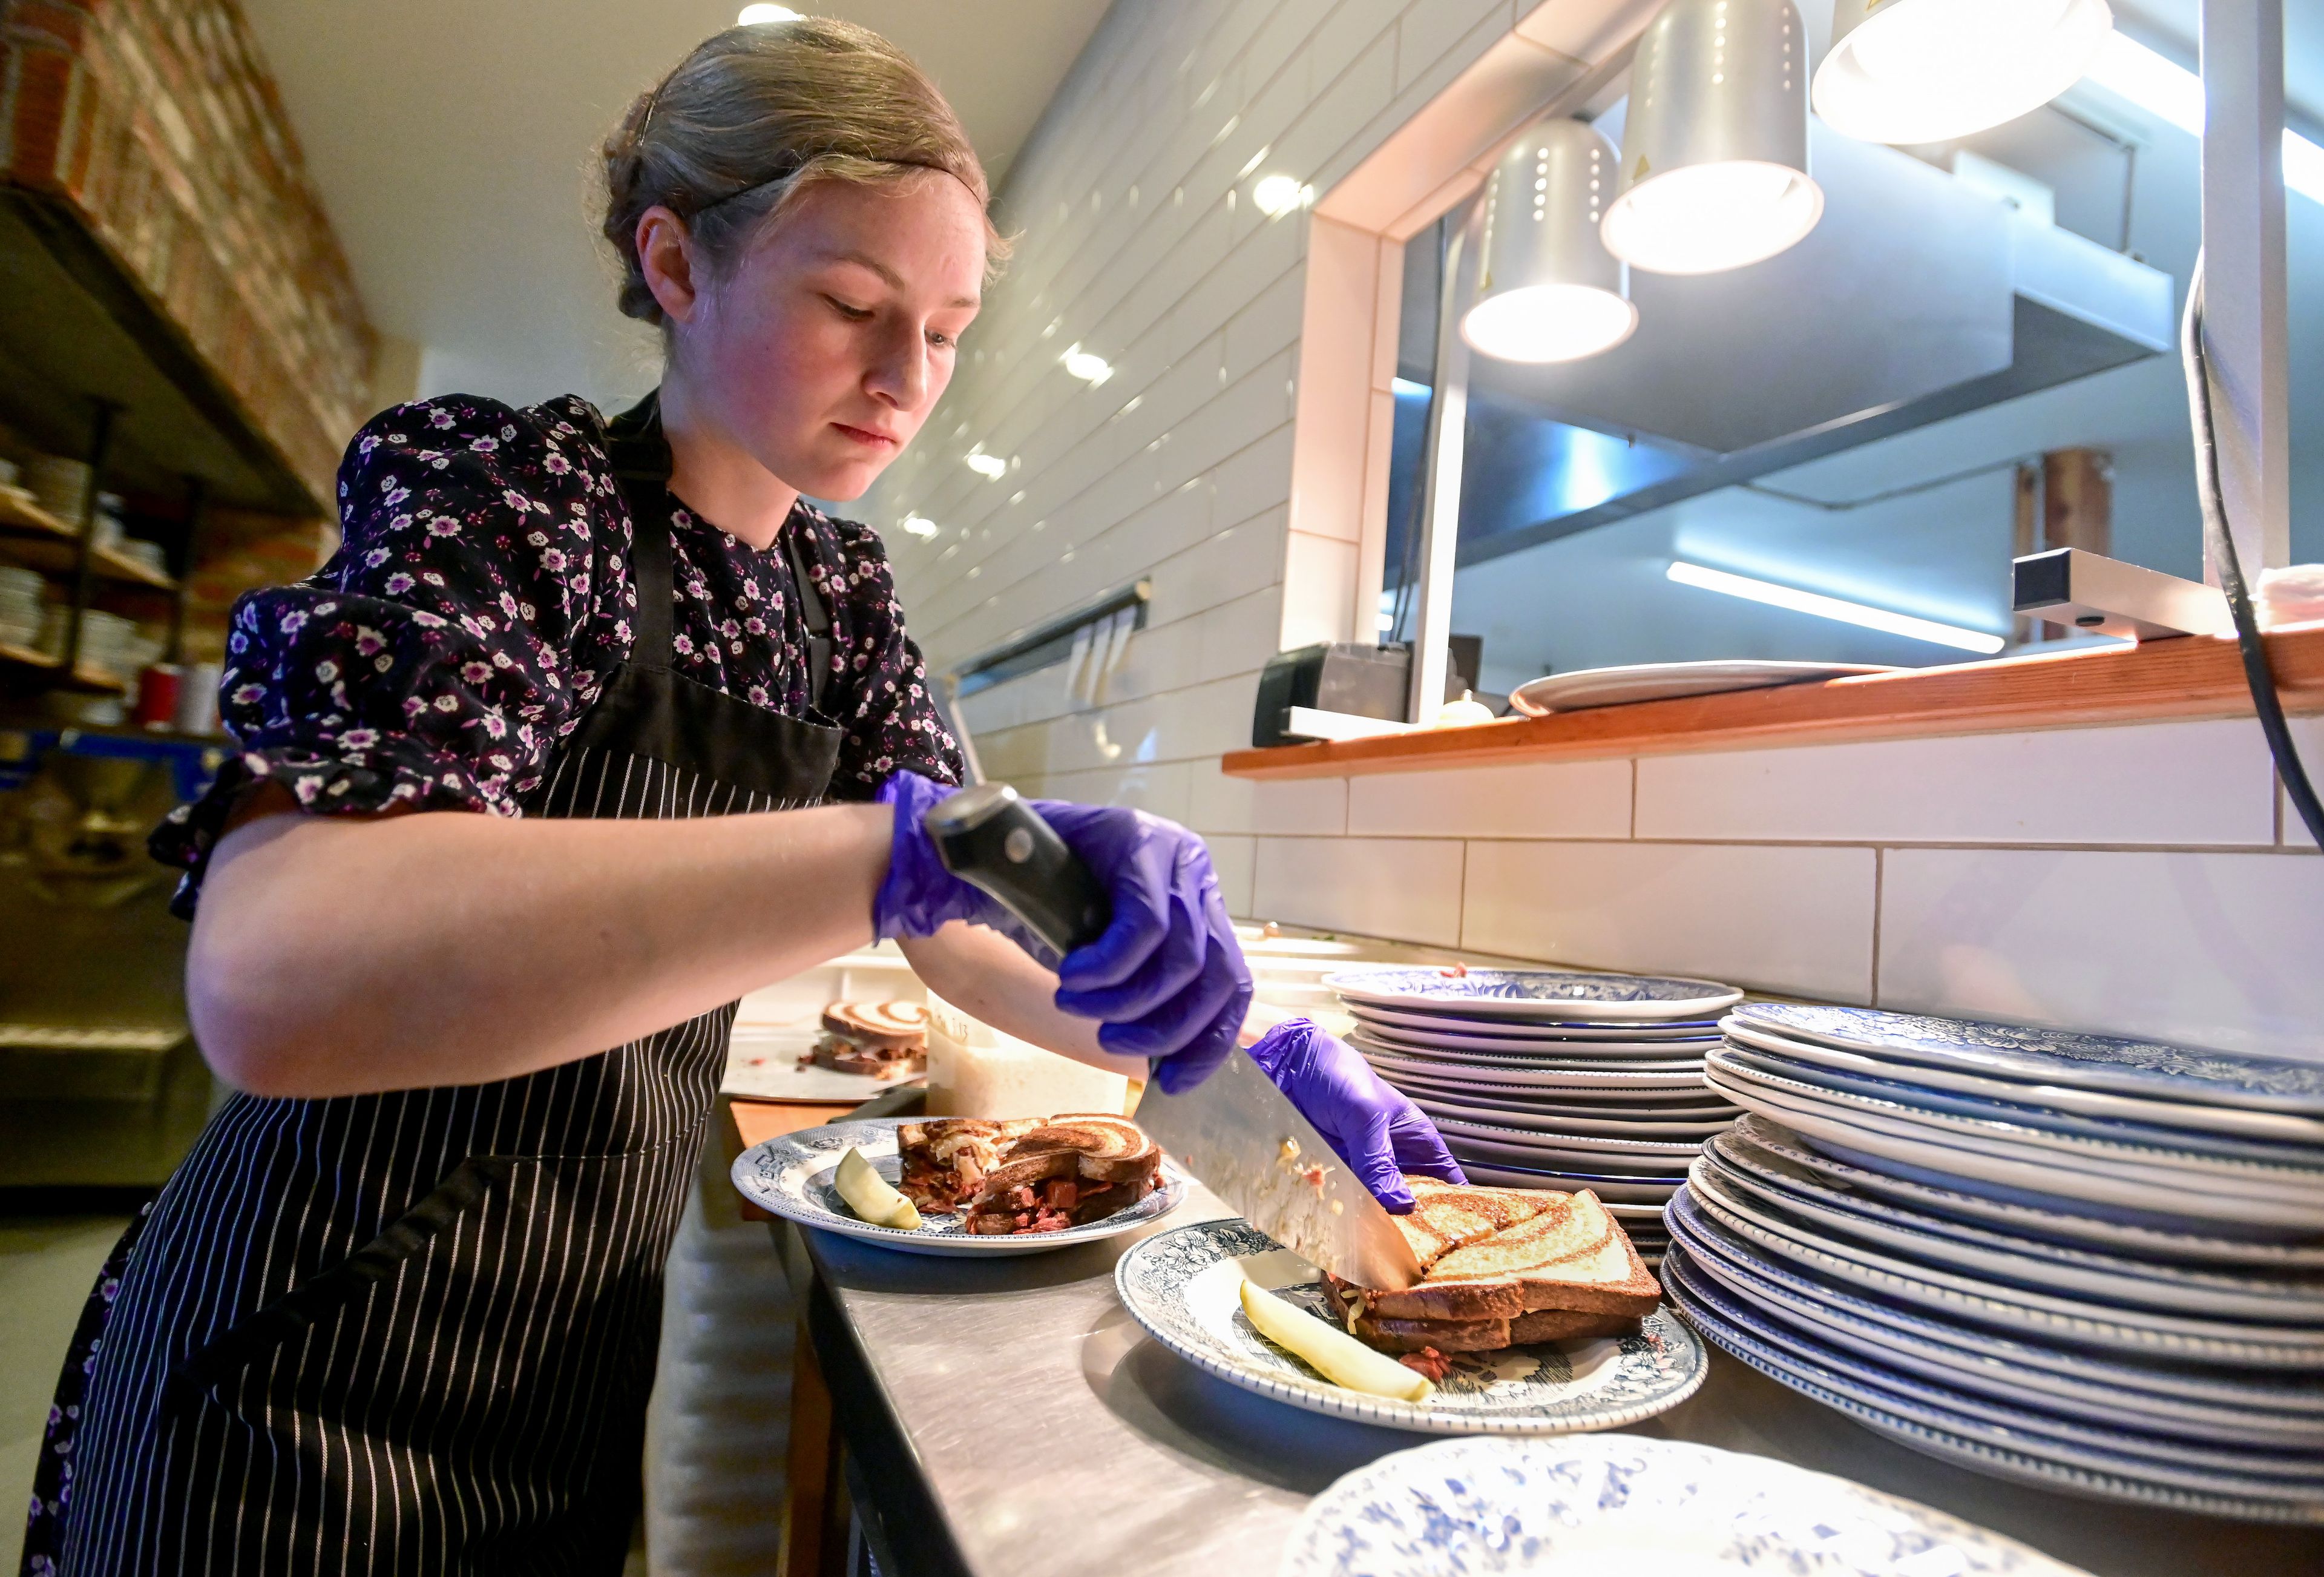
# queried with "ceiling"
point(2171, 26)
point(452, 141)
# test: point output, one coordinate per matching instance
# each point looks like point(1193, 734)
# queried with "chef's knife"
point(1235, 1131)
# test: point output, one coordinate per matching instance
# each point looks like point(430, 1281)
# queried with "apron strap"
point(641, 468)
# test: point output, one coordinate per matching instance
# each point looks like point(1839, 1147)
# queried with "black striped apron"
point(415, 1332)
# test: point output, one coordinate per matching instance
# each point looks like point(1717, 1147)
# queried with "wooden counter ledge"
point(2189, 677)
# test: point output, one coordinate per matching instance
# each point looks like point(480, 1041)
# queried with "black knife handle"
point(994, 841)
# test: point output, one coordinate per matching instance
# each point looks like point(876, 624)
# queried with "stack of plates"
point(2076, 1260)
point(1543, 1079)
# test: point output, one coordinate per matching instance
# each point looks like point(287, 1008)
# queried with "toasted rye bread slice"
point(1568, 1325)
point(1610, 1280)
point(1445, 1215)
point(1485, 1279)
point(1391, 1335)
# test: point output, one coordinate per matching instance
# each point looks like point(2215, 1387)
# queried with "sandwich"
point(1028, 1174)
point(884, 1039)
point(1502, 1267)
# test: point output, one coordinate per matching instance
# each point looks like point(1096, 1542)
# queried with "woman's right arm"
point(342, 954)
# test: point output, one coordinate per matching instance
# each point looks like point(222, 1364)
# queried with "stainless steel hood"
point(1917, 298)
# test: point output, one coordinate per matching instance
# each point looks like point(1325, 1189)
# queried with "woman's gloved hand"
point(1166, 980)
point(1378, 1133)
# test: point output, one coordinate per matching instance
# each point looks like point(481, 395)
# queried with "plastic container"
point(976, 1071)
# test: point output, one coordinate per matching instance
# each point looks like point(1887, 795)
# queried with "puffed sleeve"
point(455, 637)
point(878, 690)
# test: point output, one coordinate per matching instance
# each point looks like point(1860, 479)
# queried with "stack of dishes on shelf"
point(21, 599)
point(1547, 1079)
point(2077, 1259)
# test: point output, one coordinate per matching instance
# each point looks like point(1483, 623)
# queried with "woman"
point(396, 1311)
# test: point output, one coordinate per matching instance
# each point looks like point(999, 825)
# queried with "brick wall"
point(157, 121)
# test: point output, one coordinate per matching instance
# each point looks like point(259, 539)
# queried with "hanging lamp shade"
point(1930, 70)
point(1549, 291)
point(1715, 146)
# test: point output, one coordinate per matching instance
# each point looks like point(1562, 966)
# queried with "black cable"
point(2221, 547)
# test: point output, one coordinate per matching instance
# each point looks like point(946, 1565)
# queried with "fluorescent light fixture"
point(1405, 389)
point(1087, 365)
point(992, 467)
point(1549, 291)
point(1930, 70)
point(1824, 607)
point(2172, 94)
point(1715, 141)
point(1277, 195)
point(753, 15)
point(919, 526)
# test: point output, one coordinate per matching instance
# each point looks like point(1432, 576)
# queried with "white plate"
point(1611, 1190)
point(1557, 1122)
point(1467, 1508)
point(1698, 1104)
point(1432, 1024)
point(2046, 1316)
point(2030, 1178)
point(1184, 1286)
point(2059, 1057)
point(2115, 1278)
point(1630, 1168)
point(2023, 1453)
point(2227, 1405)
point(2274, 1461)
point(1899, 1084)
point(1675, 1151)
point(2198, 1169)
point(2034, 1221)
point(1510, 1048)
point(763, 1064)
point(1664, 681)
point(1461, 1062)
point(2169, 1114)
point(792, 1178)
point(1537, 995)
point(1535, 1078)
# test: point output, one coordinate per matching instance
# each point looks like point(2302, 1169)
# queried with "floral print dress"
point(480, 598)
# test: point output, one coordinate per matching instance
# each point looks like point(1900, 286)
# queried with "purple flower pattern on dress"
point(480, 597)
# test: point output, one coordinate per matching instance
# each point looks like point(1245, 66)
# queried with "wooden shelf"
point(32, 536)
point(78, 327)
point(2191, 677)
point(23, 661)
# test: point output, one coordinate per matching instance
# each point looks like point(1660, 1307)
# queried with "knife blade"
point(1243, 1137)
point(1235, 1131)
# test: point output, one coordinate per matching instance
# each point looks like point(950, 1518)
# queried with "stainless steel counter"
point(1008, 1419)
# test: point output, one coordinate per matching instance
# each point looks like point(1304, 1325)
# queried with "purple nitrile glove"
point(1378, 1133)
point(1166, 980)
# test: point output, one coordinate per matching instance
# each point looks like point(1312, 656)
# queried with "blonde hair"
point(753, 116)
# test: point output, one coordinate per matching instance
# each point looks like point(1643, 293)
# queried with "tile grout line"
point(1879, 876)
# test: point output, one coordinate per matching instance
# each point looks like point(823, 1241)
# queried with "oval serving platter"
point(1183, 1285)
point(792, 1176)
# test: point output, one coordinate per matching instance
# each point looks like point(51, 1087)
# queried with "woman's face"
point(824, 348)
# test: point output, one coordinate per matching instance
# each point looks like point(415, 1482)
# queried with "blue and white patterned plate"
point(2008, 1256)
point(2034, 1220)
point(2171, 1113)
point(2140, 1186)
point(1455, 1064)
point(1558, 1120)
point(2061, 1057)
point(2017, 1452)
point(1537, 995)
point(1612, 1190)
point(1509, 1048)
point(1435, 1021)
point(1496, 1075)
point(793, 1177)
point(1184, 1285)
point(2035, 1315)
point(2238, 1407)
point(1470, 1507)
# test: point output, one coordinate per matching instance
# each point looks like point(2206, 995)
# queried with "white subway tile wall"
point(2142, 880)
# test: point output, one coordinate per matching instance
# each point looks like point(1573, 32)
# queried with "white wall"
point(2131, 878)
